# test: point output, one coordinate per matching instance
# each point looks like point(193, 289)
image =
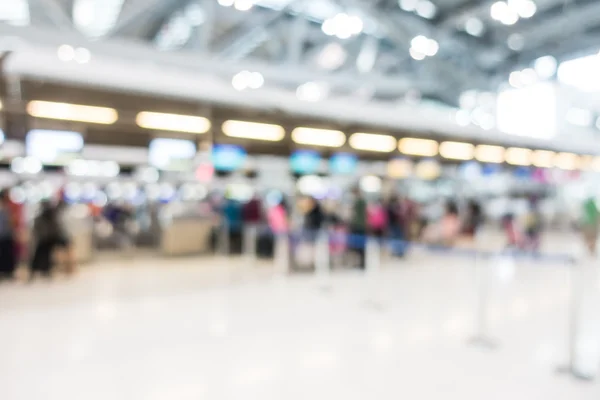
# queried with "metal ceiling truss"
point(287, 42)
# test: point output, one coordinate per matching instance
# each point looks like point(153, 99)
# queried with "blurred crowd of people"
point(40, 246)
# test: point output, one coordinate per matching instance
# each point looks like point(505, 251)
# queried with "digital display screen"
point(227, 157)
point(343, 163)
point(172, 154)
point(305, 162)
point(53, 147)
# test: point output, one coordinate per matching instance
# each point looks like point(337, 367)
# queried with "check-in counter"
point(186, 236)
point(79, 227)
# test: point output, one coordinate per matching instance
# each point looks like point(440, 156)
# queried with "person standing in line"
point(8, 247)
point(48, 235)
point(358, 227)
point(472, 222)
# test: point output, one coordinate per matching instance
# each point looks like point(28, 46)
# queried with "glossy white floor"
point(215, 328)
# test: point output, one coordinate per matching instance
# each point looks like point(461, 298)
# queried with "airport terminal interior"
point(294, 199)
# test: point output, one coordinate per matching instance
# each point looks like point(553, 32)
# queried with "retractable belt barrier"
point(323, 239)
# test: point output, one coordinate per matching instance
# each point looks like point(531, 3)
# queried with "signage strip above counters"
point(105, 70)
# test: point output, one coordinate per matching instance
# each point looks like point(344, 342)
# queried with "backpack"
point(376, 217)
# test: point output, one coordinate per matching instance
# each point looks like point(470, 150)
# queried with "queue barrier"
point(372, 245)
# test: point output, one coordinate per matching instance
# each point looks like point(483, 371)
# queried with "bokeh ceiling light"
point(373, 142)
point(72, 112)
point(424, 45)
point(172, 122)
point(543, 158)
point(523, 8)
point(418, 147)
point(318, 137)
point(457, 150)
point(253, 130)
point(474, 27)
point(490, 154)
point(518, 156)
point(408, 5)
point(426, 9)
point(312, 91)
point(247, 80)
point(545, 67)
point(343, 26)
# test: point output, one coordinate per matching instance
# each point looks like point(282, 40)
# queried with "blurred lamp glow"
point(318, 137)
point(567, 161)
point(489, 154)
point(72, 112)
point(172, 122)
point(457, 150)
point(373, 142)
point(253, 130)
point(418, 147)
point(543, 158)
point(518, 156)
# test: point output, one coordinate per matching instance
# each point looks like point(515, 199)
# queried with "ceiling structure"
point(385, 50)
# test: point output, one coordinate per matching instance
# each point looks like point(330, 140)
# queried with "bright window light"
point(253, 130)
point(226, 3)
point(543, 158)
point(579, 117)
point(15, 12)
point(518, 156)
point(418, 147)
point(457, 150)
point(373, 142)
point(172, 122)
point(95, 18)
point(318, 137)
point(72, 112)
point(515, 114)
point(567, 161)
point(581, 73)
point(489, 154)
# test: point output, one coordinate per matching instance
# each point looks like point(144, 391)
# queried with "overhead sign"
point(172, 154)
point(53, 147)
point(228, 157)
point(305, 162)
point(343, 163)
